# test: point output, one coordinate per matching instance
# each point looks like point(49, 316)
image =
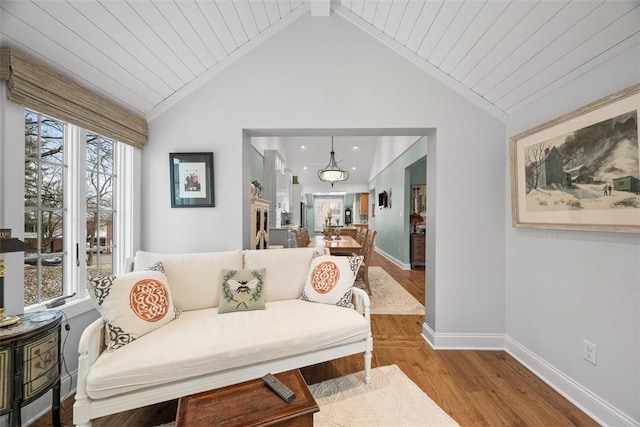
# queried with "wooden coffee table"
point(251, 403)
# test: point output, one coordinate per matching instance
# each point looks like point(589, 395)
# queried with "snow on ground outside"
point(580, 196)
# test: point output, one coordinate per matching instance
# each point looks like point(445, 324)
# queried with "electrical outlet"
point(589, 352)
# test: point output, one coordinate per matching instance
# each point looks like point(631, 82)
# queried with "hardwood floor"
point(477, 388)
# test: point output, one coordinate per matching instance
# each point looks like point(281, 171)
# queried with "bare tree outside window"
point(44, 207)
point(100, 207)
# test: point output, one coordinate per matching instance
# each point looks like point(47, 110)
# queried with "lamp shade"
point(415, 218)
point(332, 173)
point(7, 244)
point(13, 245)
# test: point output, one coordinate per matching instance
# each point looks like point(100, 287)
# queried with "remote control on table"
point(279, 388)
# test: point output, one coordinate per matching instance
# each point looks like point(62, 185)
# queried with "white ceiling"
point(147, 54)
point(308, 151)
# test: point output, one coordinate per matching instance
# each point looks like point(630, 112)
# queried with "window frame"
point(74, 271)
point(114, 209)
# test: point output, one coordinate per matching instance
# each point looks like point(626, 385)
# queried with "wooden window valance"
point(45, 90)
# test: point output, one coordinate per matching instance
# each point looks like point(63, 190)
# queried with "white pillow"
point(287, 270)
point(330, 280)
point(132, 304)
point(193, 277)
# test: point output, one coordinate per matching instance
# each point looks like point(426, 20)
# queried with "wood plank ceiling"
point(143, 53)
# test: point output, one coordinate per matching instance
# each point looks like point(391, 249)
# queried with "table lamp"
point(8, 244)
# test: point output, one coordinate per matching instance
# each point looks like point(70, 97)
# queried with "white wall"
point(566, 286)
point(326, 73)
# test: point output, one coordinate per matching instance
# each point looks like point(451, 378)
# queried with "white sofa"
point(203, 350)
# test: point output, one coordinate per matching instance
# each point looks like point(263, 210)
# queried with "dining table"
point(345, 245)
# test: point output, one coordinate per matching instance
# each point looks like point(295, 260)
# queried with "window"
point(44, 226)
point(328, 211)
point(71, 210)
point(100, 209)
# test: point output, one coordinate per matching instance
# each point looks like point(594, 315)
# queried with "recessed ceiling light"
point(353, 168)
point(303, 147)
point(355, 147)
point(304, 167)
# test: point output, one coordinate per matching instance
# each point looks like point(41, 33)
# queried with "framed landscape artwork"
point(191, 180)
point(582, 170)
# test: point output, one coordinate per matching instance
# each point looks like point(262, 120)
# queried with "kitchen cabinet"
point(296, 205)
point(286, 191)
point(284, 236)
point(274, 185)
point(364, 203)
point(259, 223)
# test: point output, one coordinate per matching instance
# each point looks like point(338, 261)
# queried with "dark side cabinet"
point(417, 253)
point(30, 363)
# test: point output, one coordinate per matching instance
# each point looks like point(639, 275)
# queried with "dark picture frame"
point(192, 184)
point(580, 171)
point(383, 200)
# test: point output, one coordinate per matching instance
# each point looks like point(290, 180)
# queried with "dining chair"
point(362, 239)
point(366, 252)
point(299, 238)
point(358, 233)
point(305, 237)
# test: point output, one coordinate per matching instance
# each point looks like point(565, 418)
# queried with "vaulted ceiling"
point(147, 54)
point(141, 53)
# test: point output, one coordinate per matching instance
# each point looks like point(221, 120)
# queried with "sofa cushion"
point(217, 342)
point(241, 290)
point(286, 270)
point(193, 278)
point(330, 280)
point(132, 305)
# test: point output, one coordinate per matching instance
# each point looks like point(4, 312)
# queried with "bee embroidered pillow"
point(132, 304)
point(331, 279)
point(241, 290)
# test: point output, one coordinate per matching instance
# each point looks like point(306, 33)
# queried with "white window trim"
point(75, 272)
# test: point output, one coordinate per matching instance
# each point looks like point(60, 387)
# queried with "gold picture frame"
point(580, 171)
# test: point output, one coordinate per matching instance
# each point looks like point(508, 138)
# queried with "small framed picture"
point(191, 180)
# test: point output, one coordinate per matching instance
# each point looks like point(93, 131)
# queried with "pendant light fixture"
point(332, 172)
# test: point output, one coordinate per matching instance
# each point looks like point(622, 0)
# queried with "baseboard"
point(601, 411)
point(429, 335)
point(393, 260)
point(455, 341)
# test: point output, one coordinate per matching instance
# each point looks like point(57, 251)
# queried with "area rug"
point(390, 399)
point(388, 296)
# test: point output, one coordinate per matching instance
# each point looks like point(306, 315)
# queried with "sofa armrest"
point(362, 302)
point(128, 265)
point(90, 347)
